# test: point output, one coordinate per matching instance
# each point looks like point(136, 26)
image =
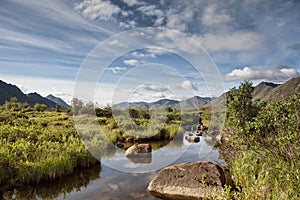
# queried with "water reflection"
point(118, 184)
point(51, 190)
point(146, 158)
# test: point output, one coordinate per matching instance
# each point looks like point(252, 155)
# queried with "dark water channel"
point(119, 177)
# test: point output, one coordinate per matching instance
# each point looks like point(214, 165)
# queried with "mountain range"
point(264, 91)
point(193, 102)
point(7, 91)
point(268, 92)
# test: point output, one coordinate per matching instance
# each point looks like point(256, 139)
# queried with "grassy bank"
point(264, 147)
point(38, 145)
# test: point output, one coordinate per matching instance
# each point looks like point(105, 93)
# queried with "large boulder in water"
point(194, 180)
point(139, 150)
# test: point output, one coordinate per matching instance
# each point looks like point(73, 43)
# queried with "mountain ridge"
point(57, 100)
point(9, 91)
point(191, 102)
point(267, 91)
point(264, 91)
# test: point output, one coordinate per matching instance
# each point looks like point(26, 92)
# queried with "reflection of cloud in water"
point(146, 158)
point(114, 187)
point(164, 156)
point(130, 165)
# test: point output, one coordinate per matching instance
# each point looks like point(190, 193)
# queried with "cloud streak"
point(133, 62)
point(116, 70)
point(235, 41)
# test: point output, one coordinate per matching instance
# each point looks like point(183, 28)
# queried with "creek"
point(119, 177)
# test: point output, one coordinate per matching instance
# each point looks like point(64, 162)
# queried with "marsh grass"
point(37, 146)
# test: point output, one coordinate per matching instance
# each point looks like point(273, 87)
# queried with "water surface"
point(119, 177)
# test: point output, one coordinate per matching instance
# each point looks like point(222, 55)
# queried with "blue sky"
point(44, 43)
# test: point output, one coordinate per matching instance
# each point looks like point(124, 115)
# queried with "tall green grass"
point(38, 145)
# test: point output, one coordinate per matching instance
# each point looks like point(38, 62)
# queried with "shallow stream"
point(119, 177)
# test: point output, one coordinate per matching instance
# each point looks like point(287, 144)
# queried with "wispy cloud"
point(115, 70)
point(133, 62)
point(153, 87)
point(236, 41)
point(211, 17)
point(295, 46)
point(116, 43)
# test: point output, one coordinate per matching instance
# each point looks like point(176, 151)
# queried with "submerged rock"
point(194, 180)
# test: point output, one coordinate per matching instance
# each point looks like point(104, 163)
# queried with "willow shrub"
point(268, 165)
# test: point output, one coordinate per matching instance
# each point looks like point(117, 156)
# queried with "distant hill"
point(268, 92)
point(192, 102)
point(140, 104)
point(283, 91)
point(165, 103)
point(262, 89)
point(58, 101)
point(7, 91)
point(195, 102)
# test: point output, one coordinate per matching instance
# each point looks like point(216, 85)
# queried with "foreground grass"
point(263, 153)
point(37, 146)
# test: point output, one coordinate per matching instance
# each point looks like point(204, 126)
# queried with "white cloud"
point(143, 55)
point(158, 95)
point(115, 70)
point(151, 10)
point(279, 73)
point(153, 87)
point(97, 9)
point(177, 41)
point(188, 85)
point(133, 2)
point(155, 50)
point(127, 25)
point(235, 41)
point(132, 62)
point(159, 21)
point(211, 17)
point(115, 43)
point(178, 19)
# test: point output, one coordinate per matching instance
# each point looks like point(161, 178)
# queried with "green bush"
point(267, 136)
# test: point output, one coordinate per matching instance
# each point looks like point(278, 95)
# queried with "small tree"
point(40, 107)
point(240, 109)
point(77, 104)
point(88, 108)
